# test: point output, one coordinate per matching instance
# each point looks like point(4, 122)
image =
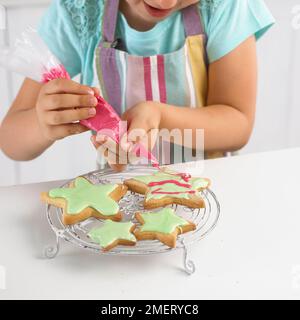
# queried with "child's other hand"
point(61, 104)
point(115, 156)
point(143, 122)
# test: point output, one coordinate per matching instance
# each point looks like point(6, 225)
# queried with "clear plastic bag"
point(31, 58)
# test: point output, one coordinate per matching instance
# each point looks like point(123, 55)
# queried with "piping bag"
point(108, 122)
point(31, 57)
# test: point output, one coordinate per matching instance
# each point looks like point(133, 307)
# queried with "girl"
point(157, 62)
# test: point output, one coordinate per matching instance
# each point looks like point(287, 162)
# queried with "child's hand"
point(61, 104)
point(111, 152)
point(142, 120)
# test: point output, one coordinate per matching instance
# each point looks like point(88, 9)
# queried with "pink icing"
point(142, 152)
point(178, 183)
point(185, 176)
point(161, 183)
point(105, 121)
point(55, 73)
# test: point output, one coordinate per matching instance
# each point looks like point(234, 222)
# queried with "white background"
point(278, 103)
point(2, 278)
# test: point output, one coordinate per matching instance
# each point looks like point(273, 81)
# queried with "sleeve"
point(232, 22)
point(57, 30)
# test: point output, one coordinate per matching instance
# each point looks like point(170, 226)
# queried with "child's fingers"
point(139, 133)
point(113, 160)
point(144, 139)
point(68, 116)
point(105, 153)
point(105, 145)
point(115, 154)
point(63, 131)
point(116, 160)
point(66, 86)
point(109, 143)
point(64, 101)
point(125, 144)
point(110, 157)
point(137, 130)
point(100, 146)
point(101, 138)
point(96, 91)
point(149, 140)
point(94, 142)
point(130, 148)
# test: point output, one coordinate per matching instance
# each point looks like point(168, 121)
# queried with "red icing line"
point(184, 176)
point(163, 192)
point(156, 166)
point(160, 183)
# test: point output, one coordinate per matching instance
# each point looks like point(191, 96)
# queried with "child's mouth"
point(155, 12)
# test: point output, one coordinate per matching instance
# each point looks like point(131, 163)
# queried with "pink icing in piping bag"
point(141, 152)
point(55, 73)
point(107, 121)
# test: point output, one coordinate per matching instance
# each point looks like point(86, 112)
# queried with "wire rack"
point(205, 219)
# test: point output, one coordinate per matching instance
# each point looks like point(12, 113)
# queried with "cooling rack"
point(205, 219)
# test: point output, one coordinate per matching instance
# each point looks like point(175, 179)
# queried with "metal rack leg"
point(189, 265)
point(50, 252)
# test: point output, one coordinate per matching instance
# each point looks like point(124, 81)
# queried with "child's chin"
point(150, 19)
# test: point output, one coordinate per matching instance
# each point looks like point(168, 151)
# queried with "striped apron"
point(178, 78)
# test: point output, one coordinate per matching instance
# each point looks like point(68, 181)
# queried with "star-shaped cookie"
point(164, 226)
point(82, 200)
point(164, 188)
point(112, 234)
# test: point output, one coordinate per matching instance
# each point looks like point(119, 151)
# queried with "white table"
point(253, 253)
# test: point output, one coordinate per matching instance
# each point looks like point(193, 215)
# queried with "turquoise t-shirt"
point(72, 31)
